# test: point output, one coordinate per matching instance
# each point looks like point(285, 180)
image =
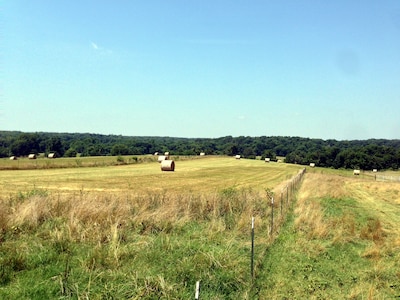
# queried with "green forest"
point(349, 154)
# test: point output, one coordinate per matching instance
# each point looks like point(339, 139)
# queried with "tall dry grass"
point(95, 217)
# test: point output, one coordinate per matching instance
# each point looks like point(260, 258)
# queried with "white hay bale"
point(237, 156)
point(155, 153)
point(166, 153)
point(52, 155)
point(162, 158)
point(267, 159)
point(202, 154)
point(356, 172)
point(13, 157)
point(375, 170)
point(32, 156)
point(312, 165)
point(167, 165)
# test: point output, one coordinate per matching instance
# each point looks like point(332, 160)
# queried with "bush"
point(120, 159)
point(71, 153)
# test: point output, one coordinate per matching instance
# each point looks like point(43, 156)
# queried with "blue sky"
point(318, 69)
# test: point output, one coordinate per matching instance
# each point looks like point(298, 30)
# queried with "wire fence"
point(280, 205)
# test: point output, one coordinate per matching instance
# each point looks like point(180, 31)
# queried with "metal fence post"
point(252, 249)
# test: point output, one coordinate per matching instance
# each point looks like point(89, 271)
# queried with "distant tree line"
point(363, 154)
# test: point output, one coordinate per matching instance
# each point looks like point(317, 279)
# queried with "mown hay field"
point(42, 162)
point(207, 174)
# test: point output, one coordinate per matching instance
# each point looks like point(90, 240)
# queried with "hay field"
point(208, 174)
point(42, 162)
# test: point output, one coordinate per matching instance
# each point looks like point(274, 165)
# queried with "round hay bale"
point(13, 158)
point(167, 165)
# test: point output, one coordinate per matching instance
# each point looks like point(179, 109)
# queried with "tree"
point(25, 144)
point(54, 144)
point(268, 154)
point(71, 152)
point(248, 152)
point(119, 149)
point(231, 149)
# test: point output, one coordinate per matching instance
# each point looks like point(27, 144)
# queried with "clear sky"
point(318, 69)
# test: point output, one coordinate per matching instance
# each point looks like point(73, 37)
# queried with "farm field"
point(42, 162)
point(132, 231)
point(207, 174)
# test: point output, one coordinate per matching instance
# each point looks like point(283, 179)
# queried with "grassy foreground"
point(132, 231)
point(342, 242)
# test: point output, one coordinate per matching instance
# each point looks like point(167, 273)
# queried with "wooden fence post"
point(287, 196)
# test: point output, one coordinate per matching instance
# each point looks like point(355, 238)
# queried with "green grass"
point(163, 264)
point(297, 268)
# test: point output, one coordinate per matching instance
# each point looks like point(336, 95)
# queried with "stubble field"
point(203, 175)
